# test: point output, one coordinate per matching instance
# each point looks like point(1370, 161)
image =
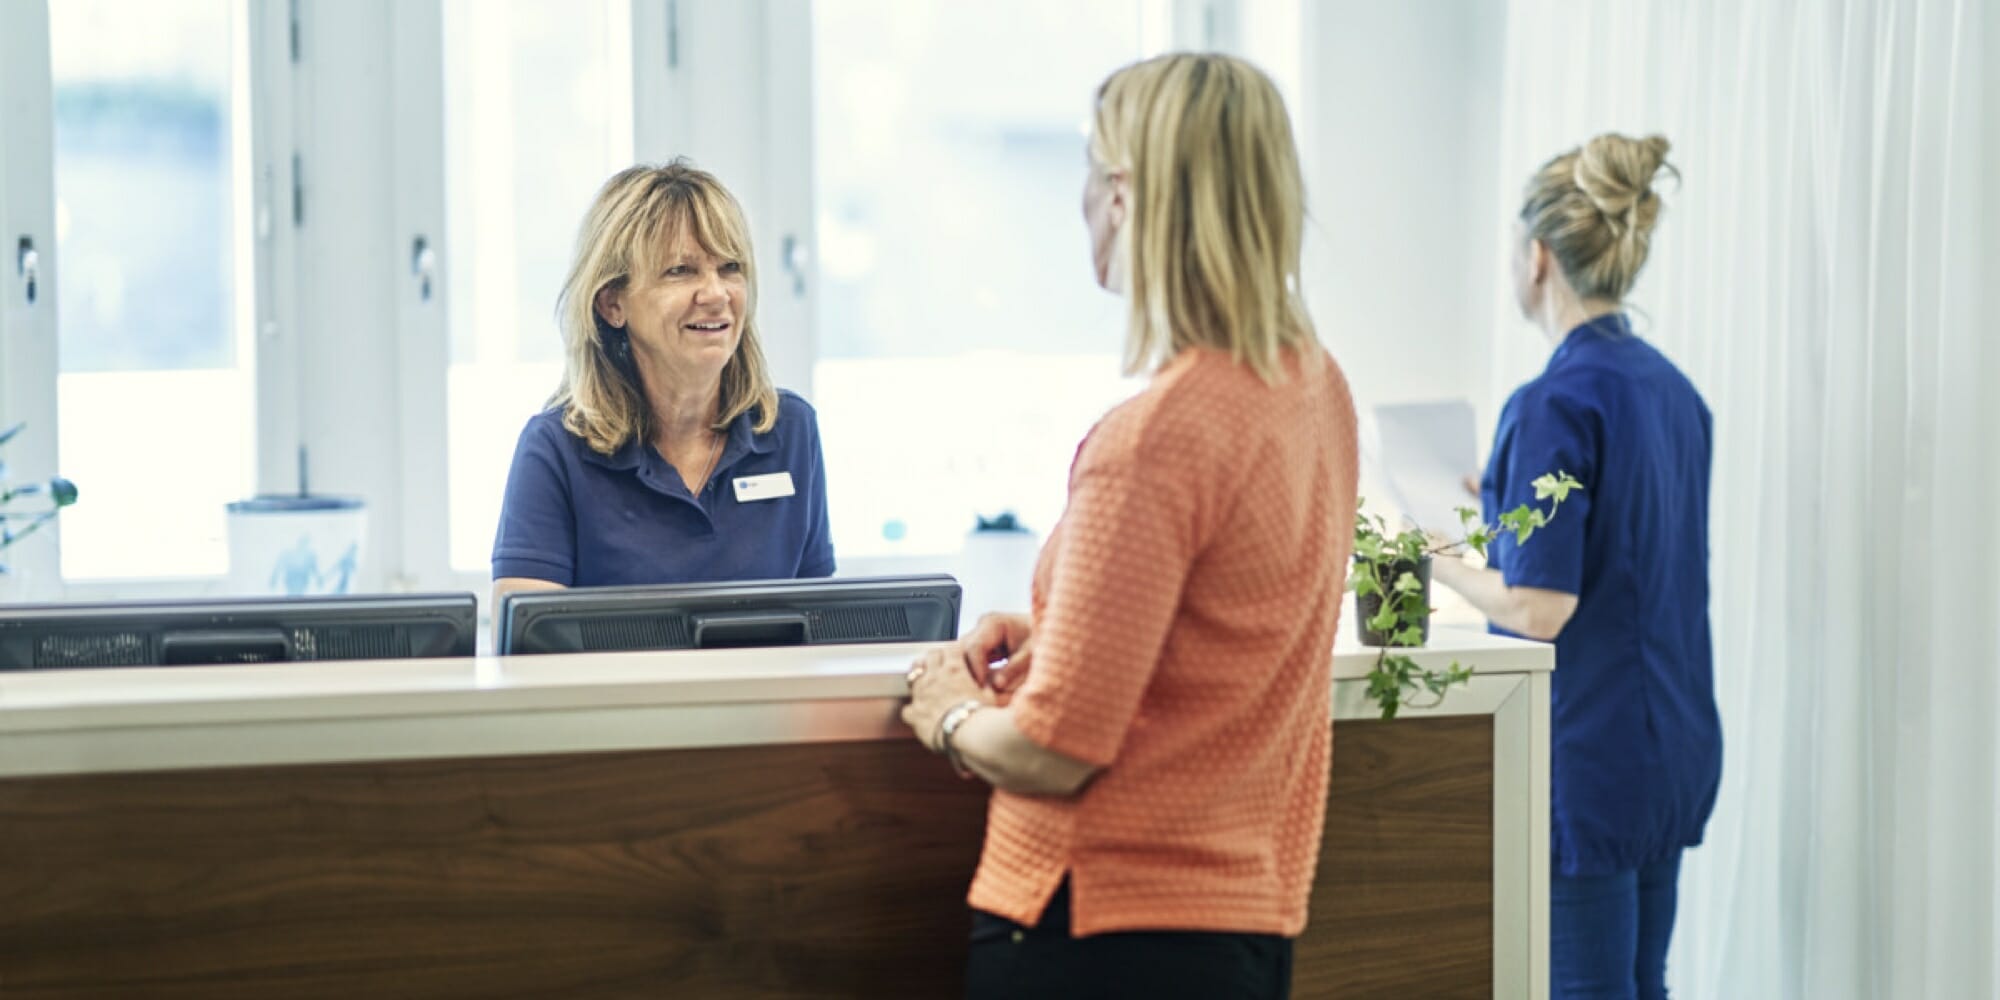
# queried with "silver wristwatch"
point(955, 717)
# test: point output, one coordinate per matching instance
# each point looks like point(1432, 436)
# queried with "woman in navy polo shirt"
point(666, 455)
point(1619, 577)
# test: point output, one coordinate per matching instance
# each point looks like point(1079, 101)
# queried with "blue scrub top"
point(578, 518)
point(1636, 739)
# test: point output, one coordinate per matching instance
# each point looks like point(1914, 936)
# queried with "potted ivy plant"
point(1391, 581)
point(27, 507)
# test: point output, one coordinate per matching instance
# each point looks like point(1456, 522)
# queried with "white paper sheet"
point(1427, 450)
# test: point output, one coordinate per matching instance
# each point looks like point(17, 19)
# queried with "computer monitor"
point(236, 630)
point(730, 615)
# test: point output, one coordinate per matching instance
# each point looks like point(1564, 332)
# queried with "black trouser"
point(1043, 962)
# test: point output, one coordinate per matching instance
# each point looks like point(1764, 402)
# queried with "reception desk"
point(750, 823)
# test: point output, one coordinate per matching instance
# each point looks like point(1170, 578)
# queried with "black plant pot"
point(1368, 607)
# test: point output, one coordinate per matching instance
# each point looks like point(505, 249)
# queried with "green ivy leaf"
point(1557, 485)
point(1522, 521)
point(1385, 684)
point(1477, 540)
point(1400, 618)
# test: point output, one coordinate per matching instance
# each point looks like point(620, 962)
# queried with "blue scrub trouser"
point(1608, 934)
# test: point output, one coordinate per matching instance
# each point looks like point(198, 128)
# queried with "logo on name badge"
point(768, 487)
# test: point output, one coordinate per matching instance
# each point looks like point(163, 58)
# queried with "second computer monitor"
point(235, 630)
point(726, 615)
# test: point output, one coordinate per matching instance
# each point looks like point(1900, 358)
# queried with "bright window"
point(538, 113)
point(153, 289)
point(964, 347)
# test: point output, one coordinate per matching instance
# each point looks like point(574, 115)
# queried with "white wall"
point(1400, 101)
point(1990, 93)
point(1493, 199)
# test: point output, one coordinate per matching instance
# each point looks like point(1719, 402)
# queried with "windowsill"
point(140, 587)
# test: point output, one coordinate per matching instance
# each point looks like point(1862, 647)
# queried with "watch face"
point(956, 716)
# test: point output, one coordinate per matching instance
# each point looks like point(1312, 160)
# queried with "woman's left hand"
point(939, 679)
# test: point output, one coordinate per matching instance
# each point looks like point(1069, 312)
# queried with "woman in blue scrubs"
point(666, 455)
point(1618, 579)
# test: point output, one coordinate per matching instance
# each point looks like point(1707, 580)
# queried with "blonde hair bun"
point(1616, 173)
point(1594, 207)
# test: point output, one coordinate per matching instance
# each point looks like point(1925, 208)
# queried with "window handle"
point(423, 266)
point(794, 257)
point(28, 265)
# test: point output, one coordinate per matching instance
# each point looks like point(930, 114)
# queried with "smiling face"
point(684, 312)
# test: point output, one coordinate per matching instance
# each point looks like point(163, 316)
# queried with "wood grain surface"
point(822, 870)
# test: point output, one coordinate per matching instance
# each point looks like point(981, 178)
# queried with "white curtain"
point(1827, 274)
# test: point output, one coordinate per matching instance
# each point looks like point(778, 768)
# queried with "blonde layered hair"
point(639, 213)
point(1217, 209)
point(1594, 208)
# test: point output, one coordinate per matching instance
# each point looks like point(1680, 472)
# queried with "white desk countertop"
point(83, 721)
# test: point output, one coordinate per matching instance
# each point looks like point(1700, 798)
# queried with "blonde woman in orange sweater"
point(1157, 730)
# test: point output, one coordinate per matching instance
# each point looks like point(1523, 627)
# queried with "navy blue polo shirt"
point(578, 518)
point(1636, 739)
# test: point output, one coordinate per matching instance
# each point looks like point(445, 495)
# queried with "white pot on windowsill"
point(996, 568)
point(296, 545)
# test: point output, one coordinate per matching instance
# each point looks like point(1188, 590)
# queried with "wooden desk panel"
point(1403, 904)
point(828, 870)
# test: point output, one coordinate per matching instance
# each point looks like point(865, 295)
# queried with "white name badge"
point(770, 487)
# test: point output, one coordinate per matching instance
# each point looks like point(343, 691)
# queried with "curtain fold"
point(1826, 274)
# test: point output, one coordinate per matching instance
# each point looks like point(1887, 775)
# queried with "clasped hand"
point(983, 665)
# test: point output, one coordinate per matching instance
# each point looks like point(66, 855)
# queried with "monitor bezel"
point(160, 617)
point(518, 609)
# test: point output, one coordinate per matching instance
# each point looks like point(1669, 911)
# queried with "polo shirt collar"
point(1602, 329)
point(625, 459)
point(741, 440)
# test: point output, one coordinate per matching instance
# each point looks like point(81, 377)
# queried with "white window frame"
point(701, 68)
point(417, 67)
point(28, 332)
point(688, 100)
point(28, 335)
point(787, 172)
